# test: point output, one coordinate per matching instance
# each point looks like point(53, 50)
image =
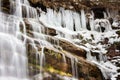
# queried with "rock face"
point(72, 48)
point(5, 6)
point(60, 60)
point(73, 4)
point(55, 65)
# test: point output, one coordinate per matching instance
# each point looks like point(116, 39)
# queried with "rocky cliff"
point(75, 4)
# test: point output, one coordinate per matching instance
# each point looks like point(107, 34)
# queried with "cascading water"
point(13, 60)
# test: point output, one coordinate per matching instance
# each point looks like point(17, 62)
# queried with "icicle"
point(59, 19)
point(77, 21)
point(105, 15)
point(91, 20)
point(67, 19)
point(50, 16)
point(108, 25)
point(108, 12)
point(83, 19)
point(89, 56)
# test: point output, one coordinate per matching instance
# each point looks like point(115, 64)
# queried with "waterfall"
point(68, 25)
point(18, 8)
point(22, 8)
point(13, 60)
point(74, 67)
point(42, 62)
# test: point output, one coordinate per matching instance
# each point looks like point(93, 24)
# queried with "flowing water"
point(13, 59)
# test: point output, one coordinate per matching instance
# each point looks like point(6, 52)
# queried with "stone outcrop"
point(57, 60)
point(74, 4)
point(45, 30)
point(50, 33)
point(72, 48)
point(55, 65)
point(5, 6)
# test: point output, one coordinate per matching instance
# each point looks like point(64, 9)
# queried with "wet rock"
point(54, 77)
point(28, 24)
point(72, 48)
point(117, 46)
point(118, 32)
point(88, 71)
point(118, 77)
point(44, 29)
point(67, 46)
point(5, 6)
point(55, 65)
point(117, 64)
point(113, 51)
point(95, 54)
point(85, 69)
point(55, 59)
point(50, 31)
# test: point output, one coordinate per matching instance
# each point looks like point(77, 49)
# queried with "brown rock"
point(72, 48)
point(76, 4)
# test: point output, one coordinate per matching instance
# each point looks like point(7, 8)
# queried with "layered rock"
point(55, 65)
point(74, 4)
point(58, 60)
